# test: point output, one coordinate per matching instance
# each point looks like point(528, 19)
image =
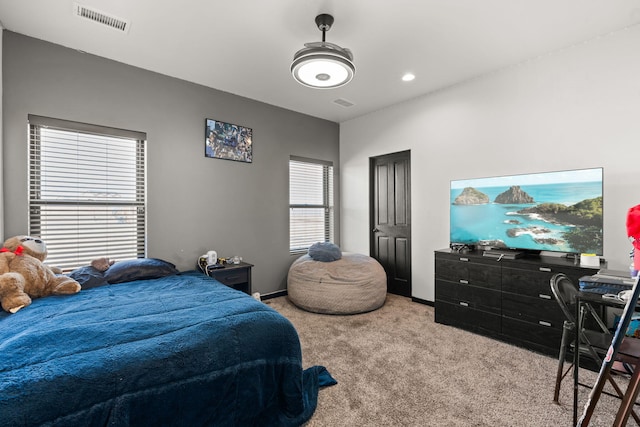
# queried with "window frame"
point(66, 250)
point(328, 204)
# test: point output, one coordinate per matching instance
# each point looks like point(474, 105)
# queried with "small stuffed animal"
point(23, 276)
point(102, 264)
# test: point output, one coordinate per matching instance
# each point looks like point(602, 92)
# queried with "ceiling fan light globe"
point(322, 70)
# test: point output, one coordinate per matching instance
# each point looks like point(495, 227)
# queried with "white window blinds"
point(310, 203)
point(86, 191)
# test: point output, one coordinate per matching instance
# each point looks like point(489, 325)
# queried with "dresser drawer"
point(468, 296)
point(544, 338)
point(467, 318)
point(452, 269)
point(526, 282)
point(538, 310)
point(232, 277)
point(532, 280)
point(469, 271)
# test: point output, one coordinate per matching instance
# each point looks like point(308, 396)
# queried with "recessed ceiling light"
point(408, 77)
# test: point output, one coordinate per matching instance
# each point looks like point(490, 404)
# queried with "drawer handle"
point(464, 259)
point(464, 282)
point(544, 296)
point(464, 304)
point(545, 269)
point(544, 323)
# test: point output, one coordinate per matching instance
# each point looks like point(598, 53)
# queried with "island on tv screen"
point(550, 211)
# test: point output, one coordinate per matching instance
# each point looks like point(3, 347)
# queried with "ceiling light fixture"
point(323, 65)
point(408, 77)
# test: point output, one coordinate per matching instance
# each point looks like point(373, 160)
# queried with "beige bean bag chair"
point(353, 284)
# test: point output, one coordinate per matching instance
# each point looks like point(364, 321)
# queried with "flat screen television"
point(549, 211)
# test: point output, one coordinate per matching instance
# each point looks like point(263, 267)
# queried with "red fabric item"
point(633, 231)
point(18, 250)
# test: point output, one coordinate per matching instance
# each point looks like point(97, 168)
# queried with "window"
point(86, 191)
point(310, 203)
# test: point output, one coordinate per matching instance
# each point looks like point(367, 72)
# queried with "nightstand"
point(236, 276)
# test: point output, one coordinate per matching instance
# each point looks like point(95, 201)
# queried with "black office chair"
point(593, 343)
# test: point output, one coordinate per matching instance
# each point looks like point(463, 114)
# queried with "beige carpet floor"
point(396, 367)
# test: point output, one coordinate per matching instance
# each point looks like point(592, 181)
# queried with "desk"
point(631, 345)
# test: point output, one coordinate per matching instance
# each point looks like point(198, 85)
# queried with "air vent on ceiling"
point(101, 17)
point(344, 103)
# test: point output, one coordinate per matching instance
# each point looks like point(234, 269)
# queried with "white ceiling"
point(245, 47)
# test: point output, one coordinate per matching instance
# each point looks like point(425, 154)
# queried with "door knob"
point(375, 230)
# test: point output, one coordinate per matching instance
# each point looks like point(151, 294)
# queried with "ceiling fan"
point(323, 65)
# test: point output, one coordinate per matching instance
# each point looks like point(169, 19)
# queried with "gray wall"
point(194, 203)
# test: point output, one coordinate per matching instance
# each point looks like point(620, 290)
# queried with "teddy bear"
point(102, 264)
point(23, 275)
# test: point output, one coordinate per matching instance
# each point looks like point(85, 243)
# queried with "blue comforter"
point(183, 350)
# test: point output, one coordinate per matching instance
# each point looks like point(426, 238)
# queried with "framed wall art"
point(228, 141)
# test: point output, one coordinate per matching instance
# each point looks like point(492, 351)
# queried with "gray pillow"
point(325, 252)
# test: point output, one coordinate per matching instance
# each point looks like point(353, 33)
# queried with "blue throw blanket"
point(183, 350)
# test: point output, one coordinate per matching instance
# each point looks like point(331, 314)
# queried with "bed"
point(182, 349)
